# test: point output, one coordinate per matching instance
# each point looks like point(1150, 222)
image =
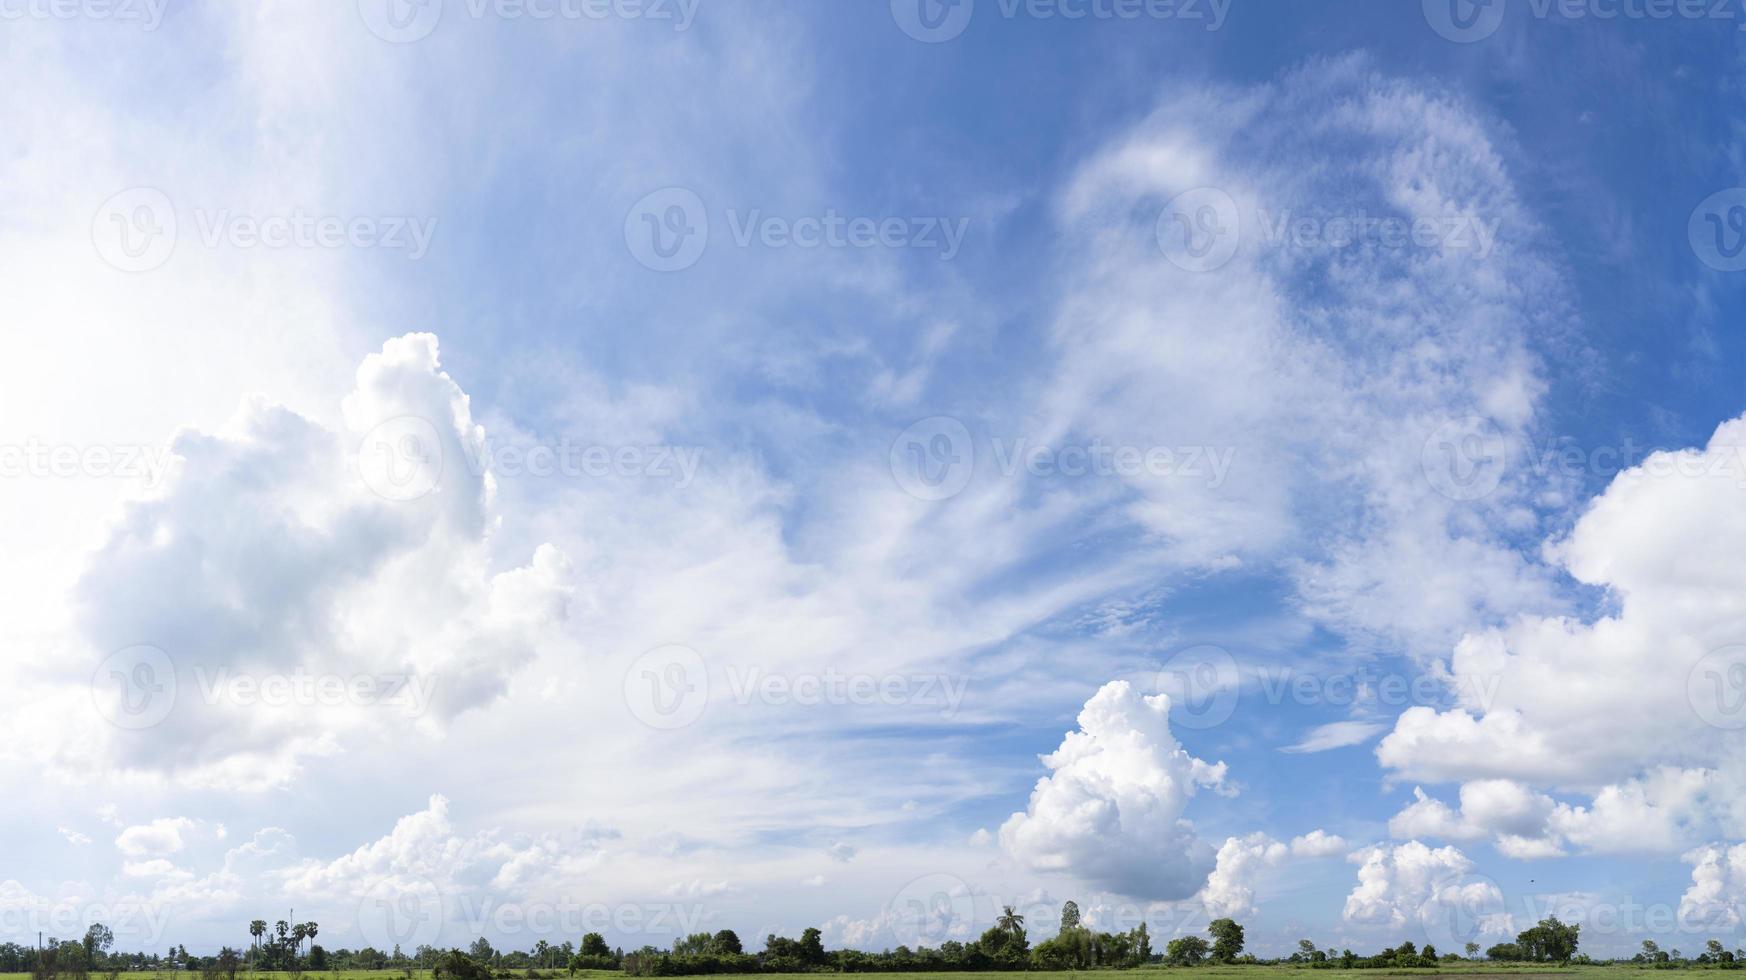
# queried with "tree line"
point(291, 947)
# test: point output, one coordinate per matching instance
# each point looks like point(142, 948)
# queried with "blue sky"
point(752, 584)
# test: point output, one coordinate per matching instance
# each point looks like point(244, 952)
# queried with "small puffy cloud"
point(1230, 889)
point(1718, 887)
point(424, 855)
point(1111, 809)
point(154, 868)
point(840, 851)
point(1317, 844)
point(815, 881)
point(73, 836)
point(981, 837)
point(1428, 816)
point(161, 837)
point(1659, 812)
point(1412, 883)
point(1241, 861)
point(697, 889)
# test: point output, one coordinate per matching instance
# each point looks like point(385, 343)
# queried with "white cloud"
point(1336, 735)
point(1600, 701)
point(1717, 896)
point(1241, 862)
point(268, 553)
point(74, 837)
point(1318, 844)
point(159, 838)
point(1428, 887)
point(1316, 374)
point(1625, 708)
point(1111, 809)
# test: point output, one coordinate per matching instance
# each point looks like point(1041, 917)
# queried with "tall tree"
point(1010, 921)
point(1227, 939)
point(1070, 915)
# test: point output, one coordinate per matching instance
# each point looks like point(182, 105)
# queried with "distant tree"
point(456, 965)
point(1010, 921)
point(257, 929)
point(594, 944)
point(97, 941)
point(481, 952)
point(1227, 940)
point(1504, 953)
point(812, 951)
point(228, 961)
point(1549, 940)
point(1472, 950)
point(726, 941)
point(1070, 915)
point(1185, 951)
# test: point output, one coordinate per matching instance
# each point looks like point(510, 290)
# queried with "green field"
point(1449, 970)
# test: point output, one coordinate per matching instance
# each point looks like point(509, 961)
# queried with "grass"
point(1451, 971)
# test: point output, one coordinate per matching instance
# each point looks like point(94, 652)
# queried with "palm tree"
point(298, 931)
point(257, 929)
point(1010, 921)
point(309, 931)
